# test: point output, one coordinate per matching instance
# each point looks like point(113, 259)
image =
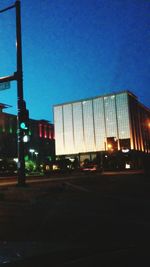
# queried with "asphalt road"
point(92, 220)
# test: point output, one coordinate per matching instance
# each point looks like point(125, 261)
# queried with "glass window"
point(123, 116)
point(99, 124)
point(110, 116)
point(58, 124)
point(68, 129)
point(78, 127)
point(88, 126)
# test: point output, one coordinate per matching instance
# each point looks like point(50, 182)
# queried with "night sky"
point(75, 49)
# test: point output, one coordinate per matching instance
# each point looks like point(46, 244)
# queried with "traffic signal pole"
point(18, 76)
point(20, 143)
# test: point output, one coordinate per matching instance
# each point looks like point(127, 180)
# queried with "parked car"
point(90, 167)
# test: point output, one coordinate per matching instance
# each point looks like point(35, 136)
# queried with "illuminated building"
point(116, 124)
point(41, 137)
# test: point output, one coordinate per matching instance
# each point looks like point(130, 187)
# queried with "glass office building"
point(114, 122)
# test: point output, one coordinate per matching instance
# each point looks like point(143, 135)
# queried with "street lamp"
point(18, 76)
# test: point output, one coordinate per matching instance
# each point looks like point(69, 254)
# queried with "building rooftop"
point(104, 95)
point(2, 106)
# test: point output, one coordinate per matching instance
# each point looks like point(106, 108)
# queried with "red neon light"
point(40, 130)
point(45, 132)
point(49, 133)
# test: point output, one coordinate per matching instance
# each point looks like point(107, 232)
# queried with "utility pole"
point(18, 76)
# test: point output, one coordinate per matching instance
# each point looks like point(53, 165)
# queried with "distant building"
point(41, 145)
point(114, 126)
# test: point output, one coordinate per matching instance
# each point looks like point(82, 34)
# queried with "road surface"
point(91, 220)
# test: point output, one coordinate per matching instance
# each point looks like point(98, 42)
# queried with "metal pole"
point(20, 102)
point(18, 76)
point(7, 8)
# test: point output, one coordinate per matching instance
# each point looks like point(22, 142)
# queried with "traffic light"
point(24, 120)
point(24, 123)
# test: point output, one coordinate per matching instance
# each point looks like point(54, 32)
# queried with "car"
point(90, 167)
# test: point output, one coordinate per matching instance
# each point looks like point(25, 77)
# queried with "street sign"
point(4, 86)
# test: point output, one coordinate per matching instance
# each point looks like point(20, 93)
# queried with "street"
point(84, 220)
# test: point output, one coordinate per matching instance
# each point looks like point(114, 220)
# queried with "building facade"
point(41, 145)
point(111, 123)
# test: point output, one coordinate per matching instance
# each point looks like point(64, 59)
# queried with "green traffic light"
point(23, 126)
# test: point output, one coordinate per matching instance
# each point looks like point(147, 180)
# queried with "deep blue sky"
point(74, 49)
